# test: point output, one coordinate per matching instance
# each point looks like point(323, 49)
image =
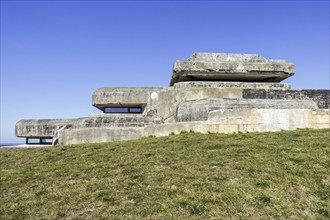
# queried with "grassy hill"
point(280, 175)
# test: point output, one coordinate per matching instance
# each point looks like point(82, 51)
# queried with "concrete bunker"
point(208, 92)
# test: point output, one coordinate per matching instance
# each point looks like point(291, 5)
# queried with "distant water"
point(2, 145)
point(9, 144)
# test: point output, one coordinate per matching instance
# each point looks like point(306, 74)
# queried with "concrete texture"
point(202, 106)
point(227, 57)
point(198, 110)
point(40, 128)
point(230, 67)
point(98, 135)
point(166, 103)
point(262, 120)
point(48, 127)
point(320, 96)
point(122, 96)
point(208, 84)
point(224, 121)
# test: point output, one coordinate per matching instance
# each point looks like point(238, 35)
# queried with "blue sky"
point(54, 54)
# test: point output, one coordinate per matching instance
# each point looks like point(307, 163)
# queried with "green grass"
point(280, 175)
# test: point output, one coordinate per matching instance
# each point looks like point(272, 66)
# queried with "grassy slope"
point(281, 175)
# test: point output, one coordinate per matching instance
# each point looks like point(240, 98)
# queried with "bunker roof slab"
point(230, 68)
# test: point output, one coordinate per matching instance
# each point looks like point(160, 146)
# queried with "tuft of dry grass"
point(278, 175)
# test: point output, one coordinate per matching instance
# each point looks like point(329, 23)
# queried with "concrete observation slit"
point(43, 140)
point(128, 110)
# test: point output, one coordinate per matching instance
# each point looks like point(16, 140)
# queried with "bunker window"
point(39, 140)
point(46, 141)
point(129, 110)
point(135, 110)
point(116, 110)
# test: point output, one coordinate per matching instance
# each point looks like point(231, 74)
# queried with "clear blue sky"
point(54, 54)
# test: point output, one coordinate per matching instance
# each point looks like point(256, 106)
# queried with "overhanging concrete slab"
point(230, 67)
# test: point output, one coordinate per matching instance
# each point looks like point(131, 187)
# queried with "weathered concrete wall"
point(227, 57)
point(98, 135)
point(230, 67)
point(320, 96)
point(122, 97)
point(198, 110)
point(49, 127)
point(235, 71)
point(166, 102)
point(224, 121)
point(244, 85)
point(163, 101)
point(40, 128)
point(271, 119)
point(116, 120)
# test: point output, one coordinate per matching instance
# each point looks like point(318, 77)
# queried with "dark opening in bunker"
point(34, 140)
point(127, 110)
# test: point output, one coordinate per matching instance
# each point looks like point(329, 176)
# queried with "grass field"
point(279, 175)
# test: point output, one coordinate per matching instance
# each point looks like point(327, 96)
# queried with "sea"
point(6, 146)
point(9, 145)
